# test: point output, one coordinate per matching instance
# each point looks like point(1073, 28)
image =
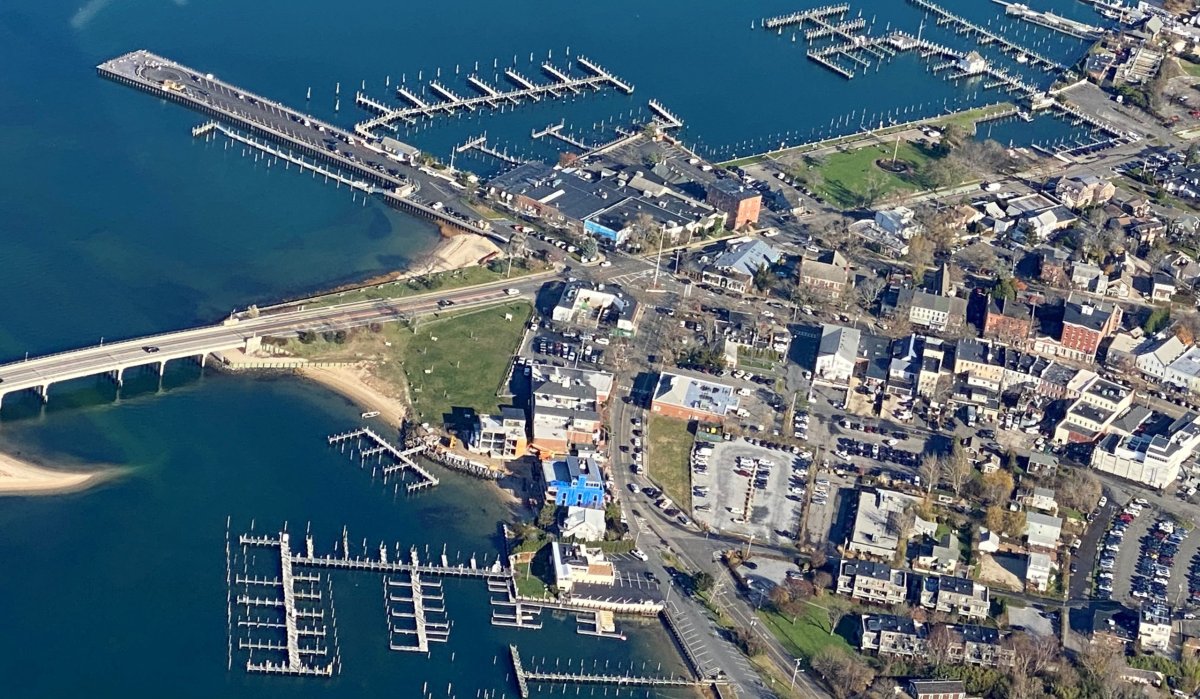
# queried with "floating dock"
point(1049, 20)
point(985, 36)
point(448, 101)
point(526, 676)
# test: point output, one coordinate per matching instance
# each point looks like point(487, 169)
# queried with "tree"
point(1078, 489)
point(548, 516)
point(702, 581)
point(589, 247)
point(1014, 523)
point(1004, 288)
point(920, 257)
point(1157, 320)
point(762, 277)
point(817, 559)
point(821, 582)
point(942, 172)
point(994, 519)
point(836, 613)
point(937, 645)
point(749, 644)
point(1188, 680)
point(957, 469)
point(930, 471)
point(868, 290)
point(846, 676)
point(997, 486)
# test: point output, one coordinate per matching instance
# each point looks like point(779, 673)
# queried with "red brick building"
point(740, 203)
point(1009, 321)
point(1086, 323)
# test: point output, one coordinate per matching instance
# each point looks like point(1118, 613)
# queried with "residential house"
point(1083, 191)
point(898, 222)
point(1162, 287)
point(500, 436)
point(937, 689)
point(573, 481)
point(1053, 265)
point(977, 645)
point(1089, 278)
point(1182, 268)
point(1037, 571)
point(583, 524)
point(940, 313)
point(691, 398)
point(938, 558)
point(826, 276)
point(1042, 499)
point(875, 583)
point(837, 354)
point(960, 596)
point(565, 416)
point(1041, 464)
point(1042, 531)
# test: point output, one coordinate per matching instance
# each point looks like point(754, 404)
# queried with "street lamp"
point(795, 670)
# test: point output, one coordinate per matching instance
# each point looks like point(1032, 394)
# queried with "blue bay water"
point(114, 222)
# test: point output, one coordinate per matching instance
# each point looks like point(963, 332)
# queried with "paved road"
point(42, 371)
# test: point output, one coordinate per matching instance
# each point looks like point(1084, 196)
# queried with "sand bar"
point(22, 477)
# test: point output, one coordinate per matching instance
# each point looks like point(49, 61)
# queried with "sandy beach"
point(22, 477)
point(355, 384)
point(454, 252)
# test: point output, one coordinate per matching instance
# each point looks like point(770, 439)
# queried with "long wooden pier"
point(985, 36)
point(805, 15)
point(1049, 20)
point(562, 84)
point(379, 447)
point(525, 677)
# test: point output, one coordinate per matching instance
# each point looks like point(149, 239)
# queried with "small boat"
point(1022, 58)
point(370, 413)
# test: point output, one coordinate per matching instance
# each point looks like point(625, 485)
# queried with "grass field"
point(534, 582)
point(459, 361)
point(846, 176)
point(809, 634)
point(668, 458)
point(1192, 69)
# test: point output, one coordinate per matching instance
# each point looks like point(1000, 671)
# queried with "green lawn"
point(669, 458)
point(460, 361)
point(846, 176)
point(809, 634)
point(533, 583)
point(1192, 69)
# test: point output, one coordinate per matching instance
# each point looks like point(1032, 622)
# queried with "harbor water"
point(114, 222)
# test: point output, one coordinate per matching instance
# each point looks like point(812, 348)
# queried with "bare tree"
point(920, 257)
point(930, 471)
point(836, 613)
point(937, 645)
point(957, 469)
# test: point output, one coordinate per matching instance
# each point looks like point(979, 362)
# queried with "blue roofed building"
point(573, 481)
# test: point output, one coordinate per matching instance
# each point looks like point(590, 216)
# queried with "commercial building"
point(1085, 324)
point(735, 267)
point(1154, 628)
point(876, 583)
point(1184, 372)
point(1155, 356)
point(1008, 320)
point(960, 596)
point(1153, 454)
point(741, 204)
point(876, 532)
point(1093, 412)
point(690, 398)
point(594, 304)
point(576, 564)
point(566, 416)
point(837, 354)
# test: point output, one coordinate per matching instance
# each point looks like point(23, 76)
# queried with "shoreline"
point(352, 383)
point(21, 476)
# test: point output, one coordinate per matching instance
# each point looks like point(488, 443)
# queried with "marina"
point(525, 90)
point(526, 676)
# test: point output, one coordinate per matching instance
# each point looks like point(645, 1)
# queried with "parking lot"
point(1145, 557)
point(823, 512)
point(748, 489)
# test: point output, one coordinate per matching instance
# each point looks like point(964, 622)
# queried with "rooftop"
point(695, 394)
